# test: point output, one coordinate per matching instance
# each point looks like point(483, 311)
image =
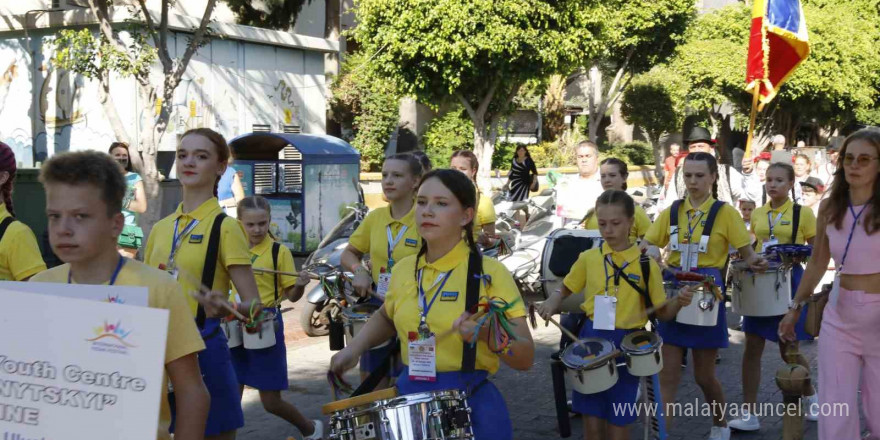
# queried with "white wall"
point(230, 85)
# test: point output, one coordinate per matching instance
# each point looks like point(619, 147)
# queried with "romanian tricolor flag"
point(778, 44)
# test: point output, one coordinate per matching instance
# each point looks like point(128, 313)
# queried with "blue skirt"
point(489, 416)
point(767, 327)
point(264, 369)
point(216, 365)
point(609, 403)
point(696, 336)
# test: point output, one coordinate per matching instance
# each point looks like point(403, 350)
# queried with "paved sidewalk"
point(528, 394)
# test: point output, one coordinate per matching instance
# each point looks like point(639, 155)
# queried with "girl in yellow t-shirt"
point(613, 173)
point(266, 369)
point(484, 223)
point(20, 256)
point(426, 308)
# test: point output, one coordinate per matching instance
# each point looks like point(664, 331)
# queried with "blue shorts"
point(767, 327)
point(489, 416)
point(697, 336)
point(216, 365)
point(616, 404)
point(264, 369)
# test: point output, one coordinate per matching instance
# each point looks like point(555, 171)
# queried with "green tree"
point(445, 134)
point(639, 35)
point(367, 105)
point(477, 52)
point(650, 104)
point(271, 14)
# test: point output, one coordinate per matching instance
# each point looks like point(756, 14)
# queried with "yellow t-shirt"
point(402, 304)
point(782, 226)
point(639, 228)
point(19, 252)
point(729, 230)
point(190, 256)
point(371, 237)
point(261, 257)
point(485, 212)
point(587, 274)
point(183, 336)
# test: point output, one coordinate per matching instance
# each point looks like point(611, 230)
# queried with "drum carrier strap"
point(472, 296)
point(210, 267)
point(707, 230)
point(795, 223)
point(275, 248)
point(4, 225)
point(645, 263)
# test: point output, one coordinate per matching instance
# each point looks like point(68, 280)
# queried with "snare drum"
point(581, 370)
point(354, 319)
point(382, 415)
point(702, 311)
point(642, 351)
point(561, 251)
point(761, 294)
point(232, 329)
point(264, 338)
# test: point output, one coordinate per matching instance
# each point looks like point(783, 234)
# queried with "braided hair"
point(465, 192)
point(711, 163)
point(7, 163)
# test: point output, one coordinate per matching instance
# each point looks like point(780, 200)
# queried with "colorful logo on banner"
point(111, 338)
point(114, 299)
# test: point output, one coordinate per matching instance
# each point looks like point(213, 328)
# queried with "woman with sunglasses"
point(847, 230)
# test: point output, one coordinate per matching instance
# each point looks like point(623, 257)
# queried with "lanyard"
point(693, 225)
point(773, 223)
point(423, 304)
point(178, 237)
point(853, 229)
point(616, 274)
point(392, 242)
point(112, 278)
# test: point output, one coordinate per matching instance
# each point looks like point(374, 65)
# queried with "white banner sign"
point(129, 295)
point(75, 369)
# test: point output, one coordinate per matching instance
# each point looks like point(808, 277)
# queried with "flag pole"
point(756, 93)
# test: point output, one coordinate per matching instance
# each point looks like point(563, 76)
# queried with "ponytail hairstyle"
point(466, 193)
point(838, 198)
point(472, 158)
point(423, 159)
point(255, 202)
point(8, 164)
point(622, 169)
point(620, 198)
point(711, 163)
point(220, 146)
point(124, 146)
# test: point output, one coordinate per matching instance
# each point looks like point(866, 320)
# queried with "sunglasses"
point(862, 160)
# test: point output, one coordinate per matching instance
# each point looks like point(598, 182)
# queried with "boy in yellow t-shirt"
point(84, 193)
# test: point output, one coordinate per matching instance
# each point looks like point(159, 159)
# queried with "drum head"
point(339, 405)
point(567, 246)
point(641, 342)
point(581, 354)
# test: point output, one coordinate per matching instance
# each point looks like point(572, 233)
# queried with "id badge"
point(770, 242)
point(835, 289)
point(423, 359)
point(604, 312)
point(382, 287)
point(689, 257)
point(174, 273)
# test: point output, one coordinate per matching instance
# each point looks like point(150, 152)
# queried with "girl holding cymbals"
point(699, 231)
point(431, 307)
point(614, 308)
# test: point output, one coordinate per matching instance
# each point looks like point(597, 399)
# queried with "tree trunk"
point(146, 159)
point(106, 100)
point(654, 138)
point(595, 102)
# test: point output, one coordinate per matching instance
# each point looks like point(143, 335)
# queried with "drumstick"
point(202, 288)
point(564, 330)
point(258, 270)
point(606, 357)
point(474, 317)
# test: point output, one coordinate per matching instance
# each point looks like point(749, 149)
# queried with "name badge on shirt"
point(422, 358)
point(409, 242)
point(690, 254)
point(382, 287)
point(448, 296)
point(195, 239)
point(604, 312)
point(785, 222)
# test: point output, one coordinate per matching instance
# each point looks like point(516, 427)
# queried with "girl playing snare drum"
point(615, 301)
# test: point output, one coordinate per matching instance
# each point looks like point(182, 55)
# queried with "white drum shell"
point(643, 362)
point(264, 338)
point(761, 294)
point(233, 332)
point(692, 314)
point(594, 380)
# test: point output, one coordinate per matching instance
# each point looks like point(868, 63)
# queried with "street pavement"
point(528, 394)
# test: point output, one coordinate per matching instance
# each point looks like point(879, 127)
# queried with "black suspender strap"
point(710, 221)
point(4, 225)
point(673, 213)
point(645, 263)
point(210, 267)
point(472, 296)
point(795, 223)
point(275, 248)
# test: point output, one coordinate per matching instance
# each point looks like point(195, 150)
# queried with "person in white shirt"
point(731, 186)
point(825, 172)
point(576, 195)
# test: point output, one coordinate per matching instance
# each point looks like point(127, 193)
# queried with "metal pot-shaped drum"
point(354, 319)
point(761, 294)
point(582, 371)
point(232, 329)
point(264, 338)
point(702, 311)
point(642, 351)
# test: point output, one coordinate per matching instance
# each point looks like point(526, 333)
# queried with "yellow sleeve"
point(286, 264)
point(485, 211)
point(808, 223)
point(658, 232)
point(25, 260)
point(503, 286)
point(737, 235)
point(655, 289)
point(576, 279)
point(642, 222)
point(360, 239)
point(396, 287)
point(148, 249)
point(233, 244)
point(183, 336)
